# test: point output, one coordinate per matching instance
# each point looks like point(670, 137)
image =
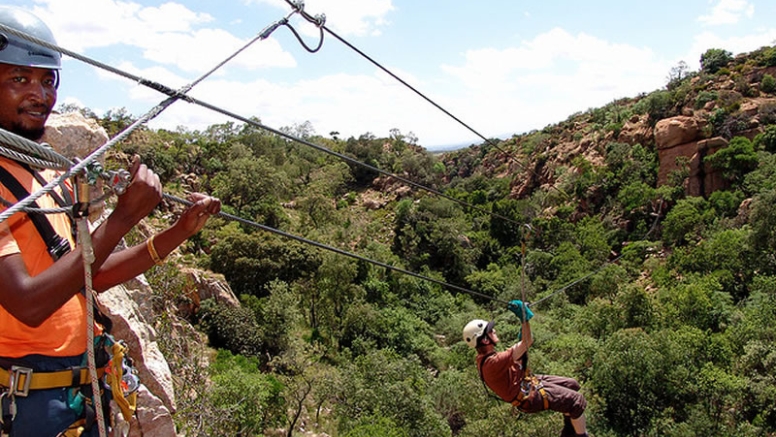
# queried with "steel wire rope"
point(174, 95)
point(178, 94)
point(21, 149)
point(301, 41)
point(319, 21)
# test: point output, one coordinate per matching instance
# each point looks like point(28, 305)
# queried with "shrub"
point(231, 328)
point(767, 140)
point(767, 113)
point(768, 84)
point(629, 373)
point(684, 222)
point(246, 399)
point(769, 57)
point(705, 97)
point(658, 105)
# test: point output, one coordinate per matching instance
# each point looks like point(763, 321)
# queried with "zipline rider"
point(43, 332)
point(507, 374)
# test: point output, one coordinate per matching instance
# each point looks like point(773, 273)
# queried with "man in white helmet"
point(507, 374)
point(42, 305)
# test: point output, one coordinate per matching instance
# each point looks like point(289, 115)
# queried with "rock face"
point(128, 306)
point(73, 135)
point(206, 285)
point(680, 142)
point(157, 400)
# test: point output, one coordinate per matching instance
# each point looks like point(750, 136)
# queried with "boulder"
point(702, 180)
point(635, 131)
point(74, 136)
point(673, 131)
point(206, 285)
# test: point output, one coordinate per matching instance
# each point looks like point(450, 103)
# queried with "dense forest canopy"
point(662, 303)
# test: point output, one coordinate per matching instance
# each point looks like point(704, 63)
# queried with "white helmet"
point(474, 330)
point(18, 51)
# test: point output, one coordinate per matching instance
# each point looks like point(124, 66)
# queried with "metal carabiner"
point(11, 407)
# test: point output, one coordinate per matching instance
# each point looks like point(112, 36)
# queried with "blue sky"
point(503, 67)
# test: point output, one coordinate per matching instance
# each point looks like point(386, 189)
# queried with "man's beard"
point(31, 134)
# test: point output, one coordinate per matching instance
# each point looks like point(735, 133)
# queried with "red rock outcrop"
point(682, 137)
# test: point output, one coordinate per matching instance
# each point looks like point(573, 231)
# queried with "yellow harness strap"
point(75, 430)
point(537, 385)
point(21, 379)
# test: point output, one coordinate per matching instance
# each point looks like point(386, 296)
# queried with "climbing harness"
point(529, 383)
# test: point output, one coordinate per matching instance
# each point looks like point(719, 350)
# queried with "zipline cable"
point(317, 21)
point(338, 251)
point(179, 94)
point(176, 95)
point(30, 152)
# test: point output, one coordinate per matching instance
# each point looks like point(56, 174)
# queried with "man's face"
point(492, 336)
point(27, 95)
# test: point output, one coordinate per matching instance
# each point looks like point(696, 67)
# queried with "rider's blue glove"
point(516, 306)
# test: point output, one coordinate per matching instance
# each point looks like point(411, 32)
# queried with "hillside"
point(642, 231)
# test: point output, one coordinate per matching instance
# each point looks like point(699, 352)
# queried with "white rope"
point(87, 253)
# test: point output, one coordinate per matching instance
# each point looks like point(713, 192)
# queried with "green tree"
point(767, 140)
point(250, 261)
point(735, 160)
point(697, 301)
point(659, 105)
point(247, 400)
point(231, 328)
point(629, 373)
point(714, 59)
point(684, 222)
point(383, 384)
point(763, 236)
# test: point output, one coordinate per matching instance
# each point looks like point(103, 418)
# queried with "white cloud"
point(181, 42)
point(349, 104)
point(585, 69)
point(346, 17)
point(738, 44)
point(728, 12)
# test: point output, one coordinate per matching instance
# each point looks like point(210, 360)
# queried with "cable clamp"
point(271, 28)
point(118, 181)
point(298, 5)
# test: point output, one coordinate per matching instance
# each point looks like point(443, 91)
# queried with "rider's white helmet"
point(474, 330)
